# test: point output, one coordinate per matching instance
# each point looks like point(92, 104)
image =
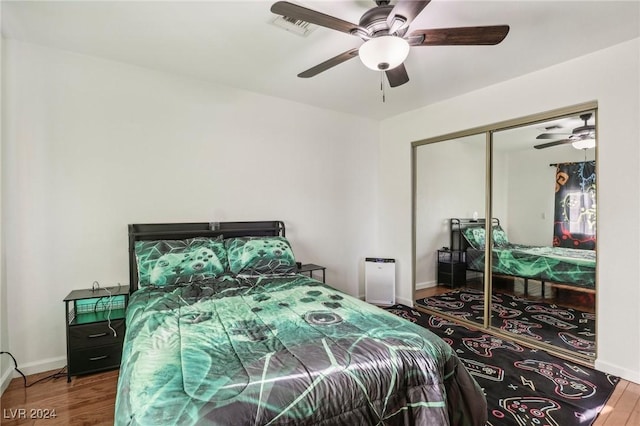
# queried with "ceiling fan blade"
point(487, 35)
point(404, 12)
point(293, 11)
point(329, 63)
point(554, 143)
point(551, 135)
point(397, 76)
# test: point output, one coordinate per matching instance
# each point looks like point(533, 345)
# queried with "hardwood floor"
point(87, 400)
point(623, 408)
point(90, 400)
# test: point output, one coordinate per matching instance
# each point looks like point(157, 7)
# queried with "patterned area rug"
point(562, 327)
point(523, 386)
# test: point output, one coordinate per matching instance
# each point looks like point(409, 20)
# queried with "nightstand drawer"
point(98, 334)
point(94, 359)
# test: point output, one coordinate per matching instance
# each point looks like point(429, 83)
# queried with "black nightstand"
point(308, 268)
point(452, 268)
point(95, 329)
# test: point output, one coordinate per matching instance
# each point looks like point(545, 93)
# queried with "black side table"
point(95, 321)
point(452, 268)
point(308, 268)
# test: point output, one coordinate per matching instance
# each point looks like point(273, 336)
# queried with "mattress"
point(552, 264)
point(284, 350)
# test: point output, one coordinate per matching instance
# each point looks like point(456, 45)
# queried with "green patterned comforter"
point(552, 264)
point(287, 350)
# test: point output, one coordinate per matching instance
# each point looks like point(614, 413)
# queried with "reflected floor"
point(516, 287)
point(569, 329)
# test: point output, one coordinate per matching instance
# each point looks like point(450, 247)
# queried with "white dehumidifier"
point(380, 281)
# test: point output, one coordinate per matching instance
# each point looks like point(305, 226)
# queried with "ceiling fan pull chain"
point(382, 86)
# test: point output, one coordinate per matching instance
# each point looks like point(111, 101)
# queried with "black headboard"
point(456, 225)
point(181, 231)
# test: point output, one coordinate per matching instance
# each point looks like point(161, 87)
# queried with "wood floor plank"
point(87, 400)
point(90, 400)
point(611, 403)
point(622, 414)
point(634, 418)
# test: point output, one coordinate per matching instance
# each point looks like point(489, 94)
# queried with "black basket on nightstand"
point(452, 268)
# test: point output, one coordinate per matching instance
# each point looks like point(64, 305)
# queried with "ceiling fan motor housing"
point(586, 130)
point(375, 22)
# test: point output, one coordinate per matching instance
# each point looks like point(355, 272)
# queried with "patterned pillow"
point(499, 237)
point(166, 262)
point(260, 255)
point(475, 236)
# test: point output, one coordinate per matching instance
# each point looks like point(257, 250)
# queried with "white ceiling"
point(232, 43)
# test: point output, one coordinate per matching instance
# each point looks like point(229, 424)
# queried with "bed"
point(560, 267)
point(221, 330)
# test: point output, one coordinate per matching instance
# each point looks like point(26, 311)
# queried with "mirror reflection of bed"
point(543, 234)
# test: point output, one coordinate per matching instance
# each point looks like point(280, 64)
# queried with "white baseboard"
point(32, 368)
point(633, 376)
point(5, 380)
point(403, 301)
point(428, 284)
point(42, 365)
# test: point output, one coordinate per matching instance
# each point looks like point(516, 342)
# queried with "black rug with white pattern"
point(560, 326)
point(523, 386)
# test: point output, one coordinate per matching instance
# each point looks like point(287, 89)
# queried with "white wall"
point(93, 145)
point(450, 182)
point(5, 361)
point(611, 77)
point(530, 196)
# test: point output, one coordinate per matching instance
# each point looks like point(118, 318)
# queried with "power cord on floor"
point(56, 375)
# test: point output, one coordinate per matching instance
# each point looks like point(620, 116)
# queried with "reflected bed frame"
point(181, 231)
point(459, 242)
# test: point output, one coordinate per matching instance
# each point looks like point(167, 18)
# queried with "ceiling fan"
point(384, 31)
point(583, 137)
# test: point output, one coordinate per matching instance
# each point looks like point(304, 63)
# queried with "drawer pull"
point(92, 336)
point(98, 358)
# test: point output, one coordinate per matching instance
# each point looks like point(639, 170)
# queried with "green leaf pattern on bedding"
point(552, 264)
point(269, 351)
point(260, 255)
point(179, 261)
point(475, 236)
point(499, 237)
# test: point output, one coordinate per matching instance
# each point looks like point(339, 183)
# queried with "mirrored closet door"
point(542, 236)
point(450, 181)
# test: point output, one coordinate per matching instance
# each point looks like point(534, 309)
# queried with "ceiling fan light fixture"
point(586, 143)
point(384, 53)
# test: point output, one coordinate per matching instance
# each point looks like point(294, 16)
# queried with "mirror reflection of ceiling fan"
point(583, 137)
point(384, 30)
